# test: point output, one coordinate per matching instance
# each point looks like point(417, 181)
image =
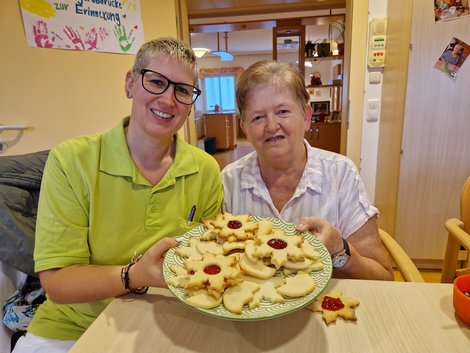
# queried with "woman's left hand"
point(327, 233)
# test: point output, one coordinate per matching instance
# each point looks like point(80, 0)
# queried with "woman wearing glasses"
point(111, 203)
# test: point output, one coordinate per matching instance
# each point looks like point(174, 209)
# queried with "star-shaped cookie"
point(334, 304)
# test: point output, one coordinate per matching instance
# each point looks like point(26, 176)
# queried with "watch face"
point(340, 260)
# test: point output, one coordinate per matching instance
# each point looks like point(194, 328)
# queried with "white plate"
point(265, 310)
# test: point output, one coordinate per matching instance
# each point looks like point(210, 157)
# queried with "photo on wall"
point(445, 10)
point(452, 58)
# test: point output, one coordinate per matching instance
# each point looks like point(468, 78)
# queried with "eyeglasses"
point(156, 83)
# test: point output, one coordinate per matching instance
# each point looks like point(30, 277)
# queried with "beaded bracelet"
point(125, 276)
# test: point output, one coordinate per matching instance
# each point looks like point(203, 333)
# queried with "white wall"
point(370, 129)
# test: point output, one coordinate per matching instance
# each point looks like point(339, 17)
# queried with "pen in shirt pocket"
point(191, 214)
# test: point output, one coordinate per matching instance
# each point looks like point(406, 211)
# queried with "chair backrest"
point(458, 236)
point(405, 265)
point(465, 206)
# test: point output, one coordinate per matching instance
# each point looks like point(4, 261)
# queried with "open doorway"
point(256, 37)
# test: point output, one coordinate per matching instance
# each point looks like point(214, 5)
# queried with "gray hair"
point(166, 46)
point(281, 74)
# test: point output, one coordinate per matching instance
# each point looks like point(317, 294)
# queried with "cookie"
point(279, 247)
point(190, 251)
point(209, 246)
point(181, 278)
point(202, 299)
point(214, 272)
point(267, 290)
point(257, 269)
point(234, 245)
point(310, 251)
point(297, 286)
point(334, 304)
point(233, 228)
point(235, 297)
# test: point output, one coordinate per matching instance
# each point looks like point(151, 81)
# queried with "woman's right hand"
point(148, 271)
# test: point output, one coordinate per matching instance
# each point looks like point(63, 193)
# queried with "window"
point(219, 92)
point(218, 87)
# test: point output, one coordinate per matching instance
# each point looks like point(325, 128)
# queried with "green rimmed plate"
point(265, 310)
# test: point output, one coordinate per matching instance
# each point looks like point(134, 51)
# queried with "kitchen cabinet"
point(326, 136)
point(223, 127)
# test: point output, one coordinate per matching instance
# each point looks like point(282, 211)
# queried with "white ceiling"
point(223, 8)
point(252, 33)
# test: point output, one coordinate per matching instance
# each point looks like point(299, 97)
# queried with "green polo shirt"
point(96, 208)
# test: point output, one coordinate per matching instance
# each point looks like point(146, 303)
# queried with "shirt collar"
point(312, 176)
point(116, 159)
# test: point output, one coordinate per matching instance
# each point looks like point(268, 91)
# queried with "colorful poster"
point(93, 25)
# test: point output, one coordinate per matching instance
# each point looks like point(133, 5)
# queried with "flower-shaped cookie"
point(334, 304)
point(279, 247)
point(214, 272)
point(233, 228)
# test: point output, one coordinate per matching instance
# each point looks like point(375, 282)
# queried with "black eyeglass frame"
point(196, 91)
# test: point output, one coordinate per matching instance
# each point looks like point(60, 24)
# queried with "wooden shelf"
point(323, 86)
point(329, 57)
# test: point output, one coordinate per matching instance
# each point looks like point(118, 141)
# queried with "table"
point(392, 317)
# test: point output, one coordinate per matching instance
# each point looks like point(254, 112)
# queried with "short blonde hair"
point(165, 46)
point(266, 71)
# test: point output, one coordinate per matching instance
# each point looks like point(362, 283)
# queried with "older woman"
point(110, 203)
point(287, 178)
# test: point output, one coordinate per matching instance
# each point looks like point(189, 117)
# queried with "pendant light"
point(224, 55)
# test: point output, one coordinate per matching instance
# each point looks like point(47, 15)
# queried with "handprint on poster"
point(83, 25)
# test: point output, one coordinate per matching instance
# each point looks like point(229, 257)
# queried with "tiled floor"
point(226, 157)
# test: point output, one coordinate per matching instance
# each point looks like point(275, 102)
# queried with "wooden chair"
point(405, 265)
point(459, 235)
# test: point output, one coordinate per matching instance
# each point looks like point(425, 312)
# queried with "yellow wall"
point(64, 93)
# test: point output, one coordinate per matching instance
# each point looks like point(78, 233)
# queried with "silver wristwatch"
point(341, 258)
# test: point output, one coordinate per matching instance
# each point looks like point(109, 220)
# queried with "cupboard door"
point(326, 136)
point(222, 127)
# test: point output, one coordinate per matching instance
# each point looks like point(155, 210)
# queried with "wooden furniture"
point(459, 235)
point(393, 317)
point(223, 127)
point(326, 136)
point(405, 265)
point(287, 35)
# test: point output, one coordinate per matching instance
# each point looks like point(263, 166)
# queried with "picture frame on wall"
point(320, 107)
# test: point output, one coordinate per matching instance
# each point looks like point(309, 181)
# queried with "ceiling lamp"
point(199, 52)
point(224, 55)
